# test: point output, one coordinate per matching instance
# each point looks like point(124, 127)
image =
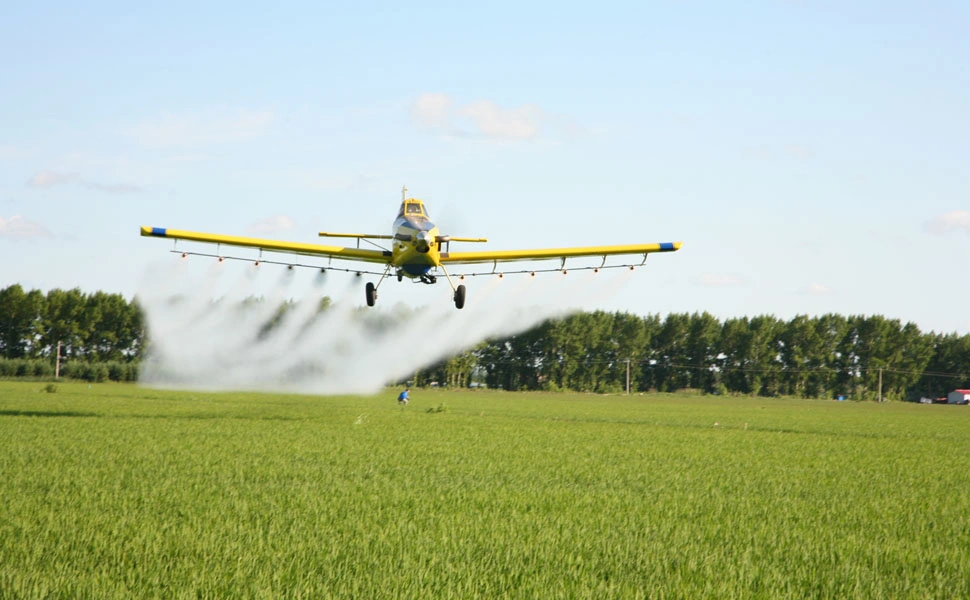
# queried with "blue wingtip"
point(159, 231)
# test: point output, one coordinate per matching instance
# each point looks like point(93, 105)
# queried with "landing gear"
point(370, 290)
point(459, 291)
point(460, 297)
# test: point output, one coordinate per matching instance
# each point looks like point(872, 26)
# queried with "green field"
point(116, 491)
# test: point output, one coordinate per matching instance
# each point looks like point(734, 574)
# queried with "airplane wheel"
point(371, 293)
point(460, 296)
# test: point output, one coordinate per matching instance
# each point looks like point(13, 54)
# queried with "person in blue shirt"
point(402, 398)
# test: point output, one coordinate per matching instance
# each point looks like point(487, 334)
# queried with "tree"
point(735, 355)
point(516, 362)
point(950, 356)
point(564, 352)
point(752, 355)
point(670, 371)
point(631, 340)
point(113, 328)
point(703, 349)
point(20, 322)
point(591, 334)
point(64, 322)
point(917, 351)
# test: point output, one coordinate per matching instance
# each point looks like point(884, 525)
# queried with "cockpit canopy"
point(412, 208)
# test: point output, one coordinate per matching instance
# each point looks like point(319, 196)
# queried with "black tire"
point(371, 293)
point(460, 297)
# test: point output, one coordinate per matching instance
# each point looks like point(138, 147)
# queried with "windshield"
point(412, 209)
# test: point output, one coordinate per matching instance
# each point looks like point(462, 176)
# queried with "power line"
point(780, 369)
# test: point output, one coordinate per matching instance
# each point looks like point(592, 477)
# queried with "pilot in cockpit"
point(412, 209)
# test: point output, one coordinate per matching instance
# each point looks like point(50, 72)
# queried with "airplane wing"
point(359, 254)
point(360, 236)
point(498, 256)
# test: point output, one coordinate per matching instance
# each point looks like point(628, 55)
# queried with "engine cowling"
point(423, 242)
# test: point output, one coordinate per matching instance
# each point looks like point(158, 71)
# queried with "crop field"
point(118, 491)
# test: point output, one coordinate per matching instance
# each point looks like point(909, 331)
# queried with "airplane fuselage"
point(416, 249)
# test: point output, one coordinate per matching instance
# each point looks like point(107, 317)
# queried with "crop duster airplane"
point(418, 251)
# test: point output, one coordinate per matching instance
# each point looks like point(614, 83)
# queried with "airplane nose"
point(422, 242)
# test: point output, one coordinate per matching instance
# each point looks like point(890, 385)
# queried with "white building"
point(958, 397)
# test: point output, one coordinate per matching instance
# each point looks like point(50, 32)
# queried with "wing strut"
point(448, 277)
point(383, 277)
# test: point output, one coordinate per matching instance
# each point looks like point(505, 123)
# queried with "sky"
point(811, 156)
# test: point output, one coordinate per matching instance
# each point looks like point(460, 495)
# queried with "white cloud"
point(188, 158)
point(797, 151)
point(484, 118)
point(22, 228)
point(433, 111)
point(274, 224)
point(196, 130)
point(716, 280)
point(48, 179)
point(113, 188)
point(953, 220)
point(10, 152)
point(817, 289)
point(789, 151)
point(520, 123)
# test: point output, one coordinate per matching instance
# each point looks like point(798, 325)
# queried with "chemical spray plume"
point(252, 329)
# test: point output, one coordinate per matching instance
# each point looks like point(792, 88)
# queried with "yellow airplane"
point(418, 251)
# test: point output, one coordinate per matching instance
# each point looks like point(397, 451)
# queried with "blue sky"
point(812, 156)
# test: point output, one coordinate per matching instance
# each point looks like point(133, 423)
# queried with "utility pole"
point(628, 377)
point(880, 385)
point(57, 363)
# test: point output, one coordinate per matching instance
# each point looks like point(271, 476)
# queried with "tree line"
point(98, 336)
point(103, 336)
point(858, 357)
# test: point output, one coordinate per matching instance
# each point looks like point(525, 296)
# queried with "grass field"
point(116, 491)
